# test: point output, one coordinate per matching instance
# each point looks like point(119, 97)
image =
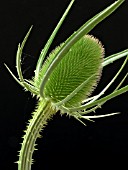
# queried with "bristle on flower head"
point(82, 64)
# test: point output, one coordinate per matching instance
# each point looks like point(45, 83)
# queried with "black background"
point(66, 143)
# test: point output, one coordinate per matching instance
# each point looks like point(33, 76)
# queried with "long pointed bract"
point(102, 100)
point(50, 40)
point(18, 56)
point(18, 65)
point(110, 59)
point(88, 26)
point(109, 84)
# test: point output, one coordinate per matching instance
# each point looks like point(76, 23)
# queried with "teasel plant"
point(66, 78)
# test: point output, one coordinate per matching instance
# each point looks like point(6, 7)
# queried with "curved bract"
point(65, 80)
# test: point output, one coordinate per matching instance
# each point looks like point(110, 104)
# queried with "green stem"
point(37, 123)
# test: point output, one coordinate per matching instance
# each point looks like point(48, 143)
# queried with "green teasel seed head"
point(82, 62)
point(66, 78)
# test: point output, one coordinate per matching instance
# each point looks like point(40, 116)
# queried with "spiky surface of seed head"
point(81, 62)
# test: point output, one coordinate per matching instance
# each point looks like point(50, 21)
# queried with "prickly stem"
point(42, 114)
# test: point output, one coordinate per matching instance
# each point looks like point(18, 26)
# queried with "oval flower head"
point(76, 74)
point(65, 80)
